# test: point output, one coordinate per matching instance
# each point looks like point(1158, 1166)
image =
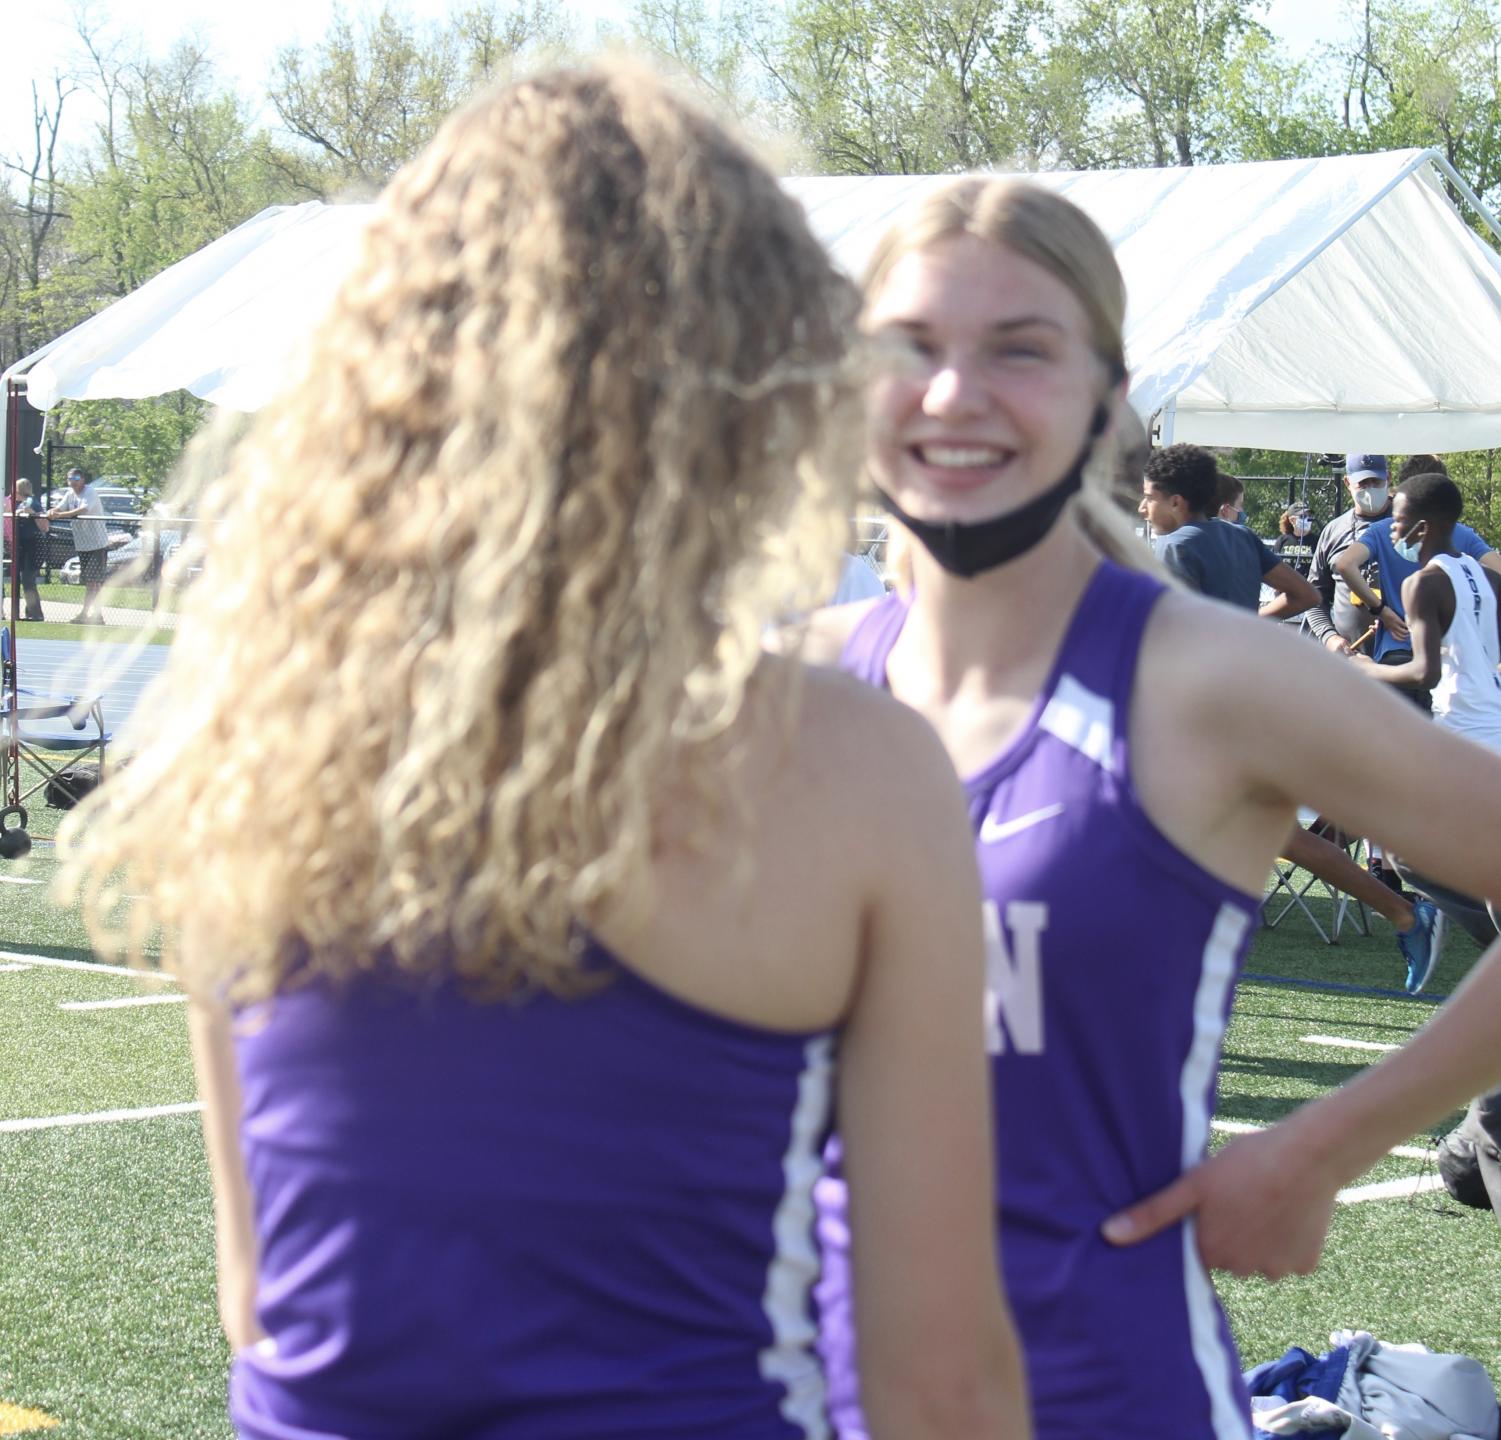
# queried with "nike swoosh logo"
point(993, 829)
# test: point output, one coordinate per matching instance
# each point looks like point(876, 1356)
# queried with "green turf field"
point(107, 1319)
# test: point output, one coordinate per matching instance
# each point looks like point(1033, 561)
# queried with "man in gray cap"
point(1338, 620)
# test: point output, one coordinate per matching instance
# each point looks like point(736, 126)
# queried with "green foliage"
point(1163, 62)
point(1429, 75)
point(848, 86)
point(1476, 472)
point(143, 438)
point(372, 92)
point(904, 86)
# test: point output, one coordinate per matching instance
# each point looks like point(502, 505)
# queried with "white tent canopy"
point(1323, 304)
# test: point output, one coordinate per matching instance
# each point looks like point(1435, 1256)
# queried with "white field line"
point(19, 880)
point(1391, 1189)
point(98, 1117)
point(1337, 1043)
point(125, 1004)
point(11, 967)
point(97, 966)
point(1242, 1127)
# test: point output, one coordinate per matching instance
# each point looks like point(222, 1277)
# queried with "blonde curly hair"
point(583, 420)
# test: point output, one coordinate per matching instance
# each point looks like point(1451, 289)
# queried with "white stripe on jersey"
point(1079, 717)
point(1215, 1362)
point(790, 1359)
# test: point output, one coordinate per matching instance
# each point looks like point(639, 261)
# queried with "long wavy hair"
point(581, 423)
point(1057, 235)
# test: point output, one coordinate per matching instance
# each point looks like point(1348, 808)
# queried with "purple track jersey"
point(1111, 960)
point(542, 1220)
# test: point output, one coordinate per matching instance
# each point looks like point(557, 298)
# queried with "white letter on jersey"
point(1013, 977)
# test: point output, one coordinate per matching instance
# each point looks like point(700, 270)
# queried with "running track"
point(66, 665)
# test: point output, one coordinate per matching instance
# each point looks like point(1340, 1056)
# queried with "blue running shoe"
point(1420, 946)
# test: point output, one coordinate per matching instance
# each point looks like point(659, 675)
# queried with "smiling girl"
point(1131, 774)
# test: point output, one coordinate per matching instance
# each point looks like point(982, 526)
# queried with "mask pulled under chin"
point(1408, 550)
point(970, 549)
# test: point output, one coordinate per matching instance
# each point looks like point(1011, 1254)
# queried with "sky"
point(39, 38)
point(243, 36)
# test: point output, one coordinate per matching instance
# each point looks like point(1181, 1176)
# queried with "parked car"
point(124, 552)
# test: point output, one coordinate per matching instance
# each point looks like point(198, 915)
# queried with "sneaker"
point(1421, 945)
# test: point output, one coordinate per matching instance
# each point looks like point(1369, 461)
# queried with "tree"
point(31, 209)
point(1428, 76)
point(712, 49)
point(183, 167)
point(903, 86)
point(370, 95)
point(142, 439)
point(1159, 69)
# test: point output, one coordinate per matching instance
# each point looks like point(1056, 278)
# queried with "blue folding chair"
point(37, 726)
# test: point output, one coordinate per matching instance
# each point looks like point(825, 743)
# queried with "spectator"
point(1223, 561)
point(1231, 494)
point(1339, 619)
point(1291, 543)
point(1420, 465)
point(83, 507)
point(1183, 473)
point(28, 526)
point(1377, 546)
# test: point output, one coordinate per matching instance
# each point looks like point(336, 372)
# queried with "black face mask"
point(967, 550)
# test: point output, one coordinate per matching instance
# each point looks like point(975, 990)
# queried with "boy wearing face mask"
point(1232, 500)
point(1453, 604)
point(1393, 559)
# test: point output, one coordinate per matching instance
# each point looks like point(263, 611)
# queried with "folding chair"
point(31, 732)
point(1285, 880)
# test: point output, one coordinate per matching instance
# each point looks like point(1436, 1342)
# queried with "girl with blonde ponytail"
point(1133, 757)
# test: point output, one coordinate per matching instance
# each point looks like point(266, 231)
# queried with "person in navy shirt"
point(1214, 556)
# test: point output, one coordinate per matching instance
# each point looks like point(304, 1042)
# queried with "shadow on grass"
point(1249, 1011)
point(1324, 1073)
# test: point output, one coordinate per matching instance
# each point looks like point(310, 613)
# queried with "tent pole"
point(1165, 418)
point(12, 778)
point(1471, 198)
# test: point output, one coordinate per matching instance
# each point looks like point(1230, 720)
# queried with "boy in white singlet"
point(1451, 613)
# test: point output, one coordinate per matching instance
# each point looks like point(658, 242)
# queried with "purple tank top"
point(1111, 961)
point(539, 1220)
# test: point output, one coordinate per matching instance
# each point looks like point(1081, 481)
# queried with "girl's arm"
point(1324, 737)
point(234, 1226)
point(938, 1354)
